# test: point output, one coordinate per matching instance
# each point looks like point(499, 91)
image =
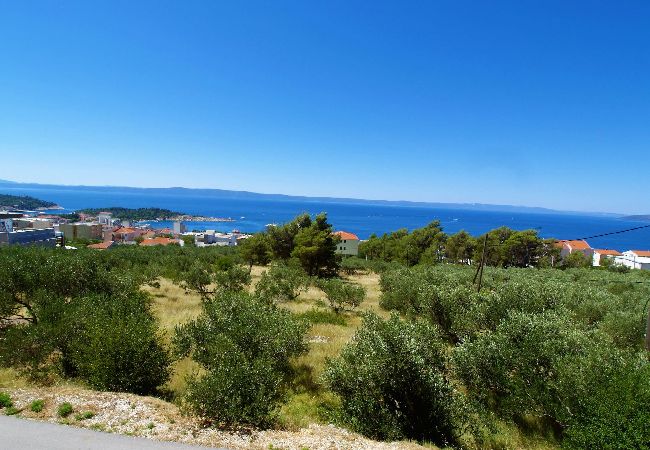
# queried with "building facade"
point(348, 243)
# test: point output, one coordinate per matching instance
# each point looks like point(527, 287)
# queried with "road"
point(19, 433)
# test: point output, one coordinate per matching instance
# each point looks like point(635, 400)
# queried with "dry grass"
point(172, 306)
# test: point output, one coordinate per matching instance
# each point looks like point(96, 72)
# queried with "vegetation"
point(308, 241)
point(23, 202)
point(282, 283)
point(244, 344)
point(537, 358)
point(64, 410)
point(392, 383)
point(37, 405)
point(430, 245)
point(5, 400)
point(342, 295)
point(134, 214)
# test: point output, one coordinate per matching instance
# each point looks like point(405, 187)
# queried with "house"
point(348, 243)
point(635, 259)
point(600, 254)
point(127, 234)
point(160, 241)
point(102, 245)
point(105, 218)
point(568, 247)
point(81, 230)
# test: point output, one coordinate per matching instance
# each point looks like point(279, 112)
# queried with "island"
point(638, 218)
point(150, 214)
point(25, 202)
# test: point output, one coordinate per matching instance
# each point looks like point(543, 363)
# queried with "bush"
point(118, 346)
point(244, 344)
point(535, 364)
point(342, 295)
point(353, 265)
point(392, 384)
point(12, 411)
point(282, 283)
point(37, 406)
point(64, 409)
point(616, 413)
point(5, 400)
point(84, 415)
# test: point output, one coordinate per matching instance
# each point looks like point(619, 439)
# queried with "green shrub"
point(616, 411)
point(392, 383)
point(342, 295)
point(282, 283)
point(64, 409)
point(244, 344)
point(315, 315)
point(352, 265)
point(5, 400)
point(84, 416)
point(118, 346)
point(37, 405)
point(12, 411)
point(535, 364)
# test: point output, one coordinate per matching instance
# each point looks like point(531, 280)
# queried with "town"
point(103, 231)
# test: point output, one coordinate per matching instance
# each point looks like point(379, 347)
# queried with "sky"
point(537, 103)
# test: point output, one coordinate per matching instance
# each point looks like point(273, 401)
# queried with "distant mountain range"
point(638, 217)
point(245, 195)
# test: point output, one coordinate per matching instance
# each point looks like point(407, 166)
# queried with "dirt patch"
point(156, 419)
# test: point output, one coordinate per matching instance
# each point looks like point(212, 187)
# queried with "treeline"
point(23, 202)
point(307, 241)
point(134, 214)
point(504, 247)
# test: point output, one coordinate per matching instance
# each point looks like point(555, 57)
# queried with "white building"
point(348, 243)
point(601, 254)
point(568, 247)
point(179, 227)
point(635, 259)
point(105, 218)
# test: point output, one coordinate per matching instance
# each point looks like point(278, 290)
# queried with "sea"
point(363, 219)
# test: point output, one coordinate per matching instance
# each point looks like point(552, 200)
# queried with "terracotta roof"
point(642, 253)
point(347, 236)
point(608, 252)
point(576, 245)
point(101, 245)
point(126, 230)
point(158, 241)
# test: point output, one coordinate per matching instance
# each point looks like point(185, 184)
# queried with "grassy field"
point(309, 401)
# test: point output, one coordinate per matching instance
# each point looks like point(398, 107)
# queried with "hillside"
point(24, 202)
point(638, 218)
point(134, 213)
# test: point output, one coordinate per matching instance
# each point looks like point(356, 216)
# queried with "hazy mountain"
point(228, 194)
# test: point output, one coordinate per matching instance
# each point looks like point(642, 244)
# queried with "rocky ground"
point(156, 419)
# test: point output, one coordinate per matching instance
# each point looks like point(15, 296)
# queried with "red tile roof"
point(642, 253)
point(576, 245)
point(102, 245)
point(126, 230)
point(347, 236)
point(158, 241)
point(608, 252)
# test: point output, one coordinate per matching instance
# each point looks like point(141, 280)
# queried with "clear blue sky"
point(540, 103)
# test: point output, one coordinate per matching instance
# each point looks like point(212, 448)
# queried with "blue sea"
point(363, 219)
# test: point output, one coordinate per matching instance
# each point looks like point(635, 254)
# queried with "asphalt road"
point(16, 433)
